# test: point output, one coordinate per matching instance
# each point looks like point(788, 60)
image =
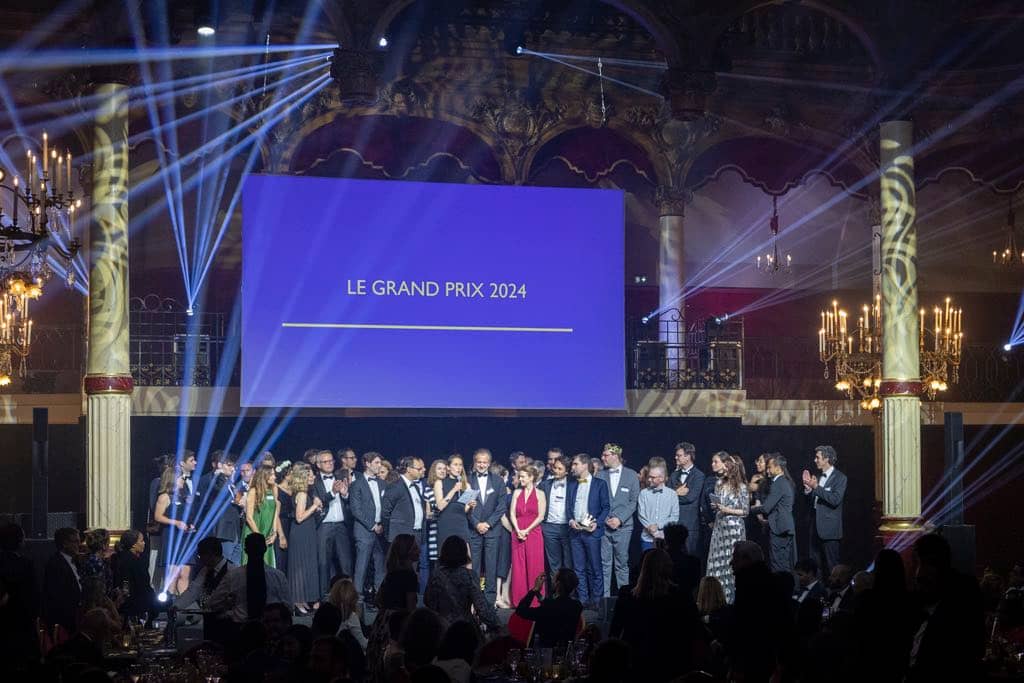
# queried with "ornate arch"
point(593, 154)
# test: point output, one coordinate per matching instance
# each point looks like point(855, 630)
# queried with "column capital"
point(355, 73)
point(672, 201)
point(687, 90)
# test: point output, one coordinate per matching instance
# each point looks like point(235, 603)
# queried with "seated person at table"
point(557, 619)
point(131, 569)
point(246, 591)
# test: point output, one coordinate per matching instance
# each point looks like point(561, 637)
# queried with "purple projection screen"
point(388, 294)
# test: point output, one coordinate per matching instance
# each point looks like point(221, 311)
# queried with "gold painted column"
point(108, 380)
point(901, 381)
point(671, 273)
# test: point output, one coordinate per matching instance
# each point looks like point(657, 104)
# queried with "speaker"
point(954, 468)
point(40, 467)
point(962, 546)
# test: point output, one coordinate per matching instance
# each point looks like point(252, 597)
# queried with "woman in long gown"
point(731, 502)
point(451, 515)
point(303, 563)
point(261, 513)
point(438, 472)
point(526, 512)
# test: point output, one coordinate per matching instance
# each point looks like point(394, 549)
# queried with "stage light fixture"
point(1007, 346)
point(205, 30)
point(383, 42)
point(519, 49)
point(162, 597)
point(189, 312)
point(204, 18)
point(645, 320)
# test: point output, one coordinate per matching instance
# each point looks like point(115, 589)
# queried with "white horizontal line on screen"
point(447, 328)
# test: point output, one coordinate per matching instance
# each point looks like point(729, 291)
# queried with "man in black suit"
point(777, 507)
point(840, 584)
point(688, 483)
point(62, 588)
point(213, 567)
point(808, 586)
point(218, 490)
point(333, 533)
point(365, 504)
point(826, 494)
point(402, 507)
point(485, 521)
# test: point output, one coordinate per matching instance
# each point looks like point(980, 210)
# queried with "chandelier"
point(41, 204)
point(852, 355)
point(1010, 255)
point(772, 262)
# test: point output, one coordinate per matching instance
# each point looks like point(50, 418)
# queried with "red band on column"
point(108, 384)
point(900, 388)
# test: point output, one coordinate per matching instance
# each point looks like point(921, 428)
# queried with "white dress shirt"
point(230, 597)
point(556, 502)
point(582, 495)
point(806, 591)
point(374, 485)
point(482, 481)
point(335, 511)
point(614, 475)
point(74, 568)
point(417, 503)
point(821, 481)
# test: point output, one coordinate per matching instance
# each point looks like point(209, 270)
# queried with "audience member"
point(457, 650)
point(453, 591)
point(245, 591)
point(686, 574)
point(20, 644)
point(343, 595)
point(131, 572)
point(559, 618)
point(62, 587)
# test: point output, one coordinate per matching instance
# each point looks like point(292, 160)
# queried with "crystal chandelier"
point(852, 355)
point(772, 262)
point(1010, 255)
point(41, 202)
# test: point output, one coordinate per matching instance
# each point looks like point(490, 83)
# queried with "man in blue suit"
point(588, 503)
point(688, 483)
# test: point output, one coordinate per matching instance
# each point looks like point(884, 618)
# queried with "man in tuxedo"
point(365, 504)
point(212, 568)
point(840, 584)
point(623, 491)
point(555, 527)
point(688, 483)
point(62, 587)
point(826, 494)
point(334, 539)
point(219, 492)
point(808, 586)
point(402, 506)
point(588, 503)
point(778, 509)
point(485, 521)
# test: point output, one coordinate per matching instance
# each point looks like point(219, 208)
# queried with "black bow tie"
point(657, 490)
point(614, 471)
point(328, 476)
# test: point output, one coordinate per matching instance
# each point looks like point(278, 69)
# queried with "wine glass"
point(514, 657)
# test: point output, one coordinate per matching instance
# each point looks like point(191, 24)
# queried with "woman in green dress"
point(262, 513)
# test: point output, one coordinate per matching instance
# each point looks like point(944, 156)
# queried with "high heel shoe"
point(301, 611)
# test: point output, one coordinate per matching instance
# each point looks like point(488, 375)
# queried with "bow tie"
point(615, 471)
point(657, 490)
point(559, 484)
point(327, 476)
point(584, 481)
point(186, 476)
point(686, 473)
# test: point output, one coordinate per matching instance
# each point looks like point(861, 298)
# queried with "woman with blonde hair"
point(343, 595)
point(262, 513)
point(169, 511)
point(303, 563)
point(731, 503)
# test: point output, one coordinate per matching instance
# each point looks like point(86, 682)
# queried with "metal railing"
point(168, 347)
point(666, 354)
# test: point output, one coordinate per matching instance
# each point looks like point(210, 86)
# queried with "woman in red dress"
point(526, 513)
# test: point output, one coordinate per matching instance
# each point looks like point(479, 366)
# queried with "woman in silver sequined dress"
point(731, 502)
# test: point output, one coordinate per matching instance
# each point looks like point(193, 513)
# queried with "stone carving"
point(672, 201)
point(675, 140)
point(517, 124)
point(355, 73)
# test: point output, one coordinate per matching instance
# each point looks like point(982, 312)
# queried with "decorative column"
point(901, 381)
point(671, 273)
point(108, 380)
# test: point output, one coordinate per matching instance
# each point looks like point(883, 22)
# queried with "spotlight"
point(519, 49)
point(204, 17)
point(383, 42)
point(1007, 346)
point(162, 597)
point(645, 320)
point(719, 319)
point(205, 30)
point(189, 312)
